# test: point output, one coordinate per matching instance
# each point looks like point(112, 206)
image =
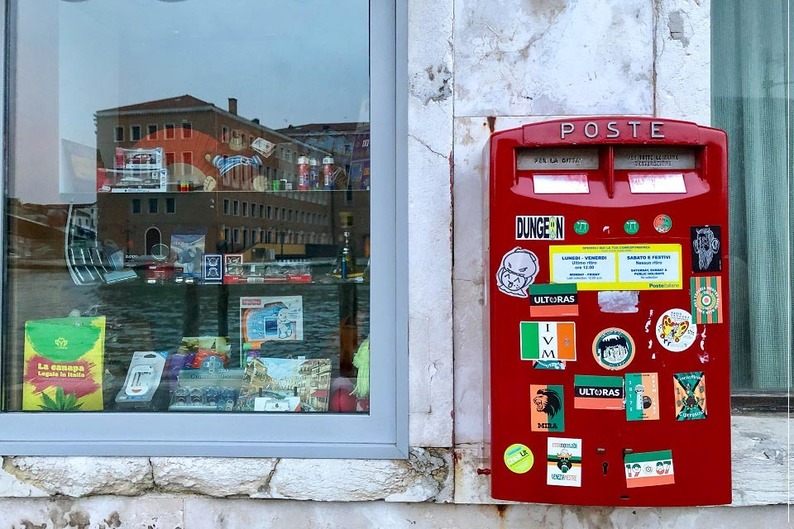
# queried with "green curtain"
point(749, 90)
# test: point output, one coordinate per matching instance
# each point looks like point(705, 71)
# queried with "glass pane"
point(188, 207)
point(751, 101)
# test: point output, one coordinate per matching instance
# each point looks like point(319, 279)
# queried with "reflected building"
point(182, 166)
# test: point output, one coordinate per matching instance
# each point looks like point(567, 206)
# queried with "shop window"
point(279, 367)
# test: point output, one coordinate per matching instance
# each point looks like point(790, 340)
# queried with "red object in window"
point(204, 356)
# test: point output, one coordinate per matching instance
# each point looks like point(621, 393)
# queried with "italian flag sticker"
point(548, 340)
point(648, 469)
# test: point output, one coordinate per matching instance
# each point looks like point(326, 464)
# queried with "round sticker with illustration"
point(613, 349)
point(675, 330)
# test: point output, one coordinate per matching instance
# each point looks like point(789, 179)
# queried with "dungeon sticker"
point(548, 340)
point(706, 248)
point(593, 392)
point(519, 458)
point(553, 300)
point(675, 330)
point(642, 397)
point(548, 408)
point(690, 396)
point(540, 228)
point(517, 271)
point(564, 462)
point(706, 294)
point(648, 469)
point(613, 349)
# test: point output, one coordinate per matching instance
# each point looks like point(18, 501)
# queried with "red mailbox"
point(609, 375)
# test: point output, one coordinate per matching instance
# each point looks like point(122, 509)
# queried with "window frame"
point(383, 433)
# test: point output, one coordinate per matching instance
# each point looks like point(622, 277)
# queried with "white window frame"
point(382, 433)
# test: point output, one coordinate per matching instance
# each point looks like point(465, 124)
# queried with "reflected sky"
point(286, 62)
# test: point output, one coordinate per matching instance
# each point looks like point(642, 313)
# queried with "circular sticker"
point(580, 227)
point(519, 458)
point(631, 227)
point(675, 330)
point(662, 223)
point(706, 299)
point(613, 349)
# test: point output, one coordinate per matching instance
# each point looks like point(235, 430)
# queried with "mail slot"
point(608, 371)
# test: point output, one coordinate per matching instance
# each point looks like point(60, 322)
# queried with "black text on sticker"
point(535, 227)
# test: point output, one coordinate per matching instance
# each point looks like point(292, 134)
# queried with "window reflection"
point(200, 226)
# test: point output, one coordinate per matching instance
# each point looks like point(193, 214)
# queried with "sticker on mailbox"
point(706, 299)
point(706, 248)
point(518, 270)
point(564, 462)
point(540, 228)
point(553, 300)
point(647, 469)
point(675, 330)
point(592, 392)
point(548, 408)
point(617, 267)
point(690, 396)
point(613, 349)
point(642, 397)
point(548, 340)
point(519, 458)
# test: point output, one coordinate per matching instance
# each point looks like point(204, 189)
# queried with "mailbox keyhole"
point(605, 466)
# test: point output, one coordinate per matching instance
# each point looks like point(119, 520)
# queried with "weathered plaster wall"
point(516, 61)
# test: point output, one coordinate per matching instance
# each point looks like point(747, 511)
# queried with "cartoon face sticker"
point(564, 460)
point(517, 271)
point(706, 254)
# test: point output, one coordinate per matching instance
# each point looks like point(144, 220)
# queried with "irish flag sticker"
point(648, 469)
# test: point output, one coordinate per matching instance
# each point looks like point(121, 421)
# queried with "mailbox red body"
point(607, 290)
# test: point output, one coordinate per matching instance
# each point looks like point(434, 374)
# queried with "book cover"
point(64, 364)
